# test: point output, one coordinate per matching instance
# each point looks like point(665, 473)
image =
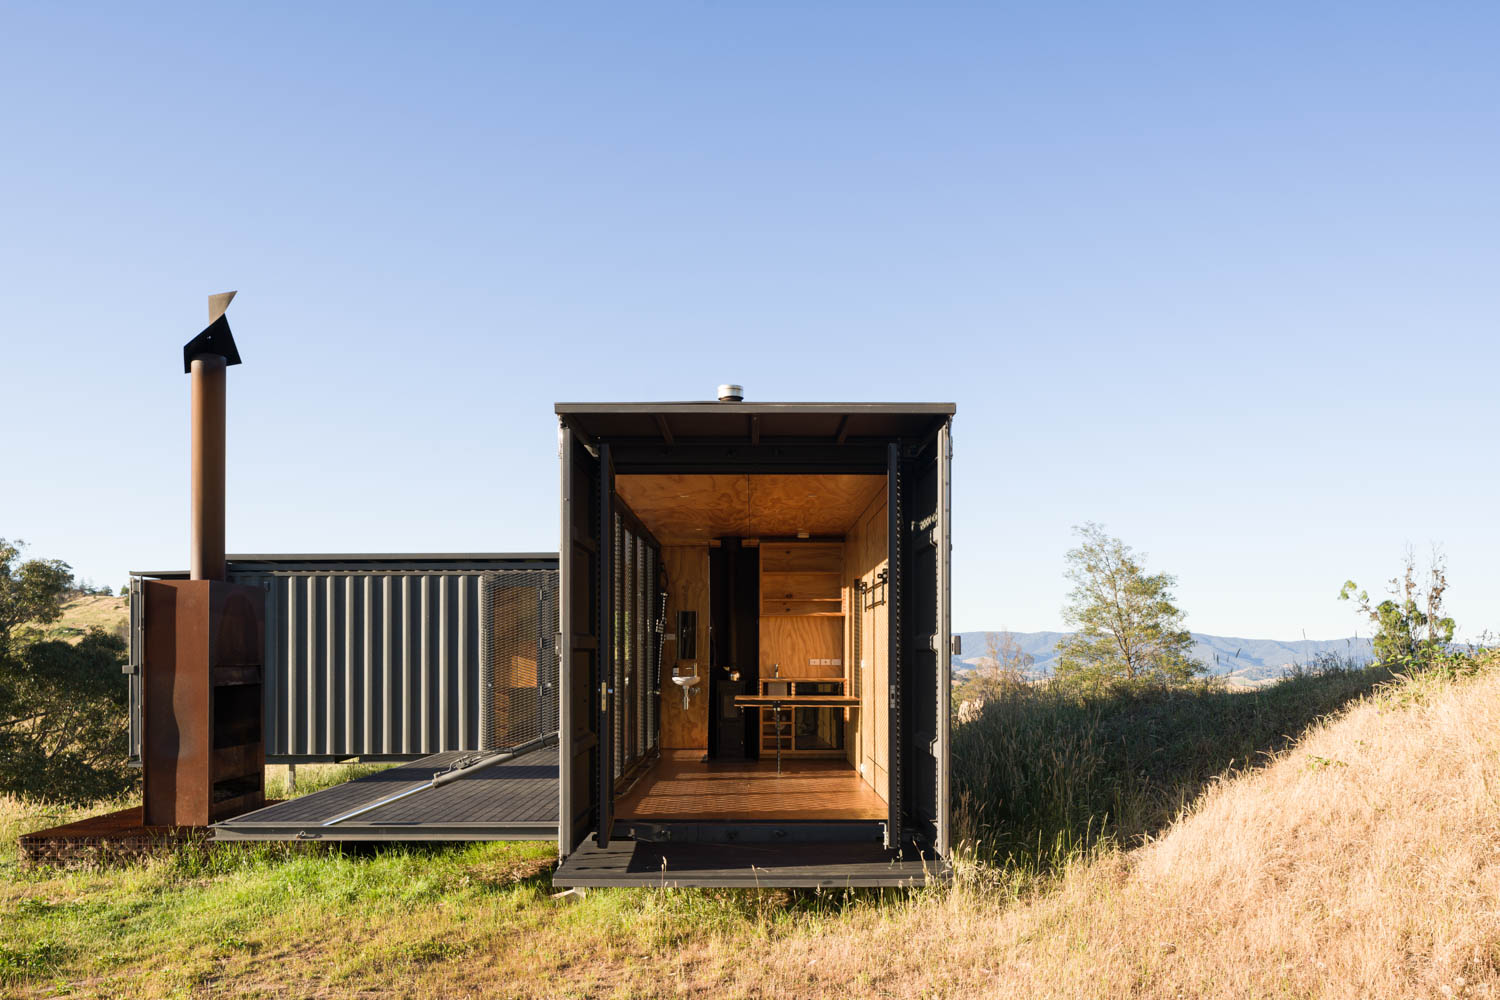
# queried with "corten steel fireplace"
point(202, 749)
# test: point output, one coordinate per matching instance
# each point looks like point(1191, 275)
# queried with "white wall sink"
point(687, 682)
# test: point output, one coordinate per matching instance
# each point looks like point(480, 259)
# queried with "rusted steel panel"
point(201, 683)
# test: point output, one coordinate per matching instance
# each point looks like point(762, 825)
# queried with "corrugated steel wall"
point(377, 663)
point(373, 664)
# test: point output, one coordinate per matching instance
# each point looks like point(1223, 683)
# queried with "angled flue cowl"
point(205, 359)
point(215, 338)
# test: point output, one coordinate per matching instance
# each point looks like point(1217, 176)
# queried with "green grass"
point(331, 919)
point(316, 777)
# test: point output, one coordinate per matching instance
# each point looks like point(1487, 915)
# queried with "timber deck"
point(516, 800)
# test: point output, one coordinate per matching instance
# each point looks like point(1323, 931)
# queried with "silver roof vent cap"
point(731, 394)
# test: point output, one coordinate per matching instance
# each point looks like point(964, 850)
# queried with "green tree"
point(63, 728)
point(1410, 628)
point(31, 592)
point(1126, 627)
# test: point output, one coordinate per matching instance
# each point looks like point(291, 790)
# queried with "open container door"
point(921, 605)
point(897, 545)
point(610, 681)
point(581, 574)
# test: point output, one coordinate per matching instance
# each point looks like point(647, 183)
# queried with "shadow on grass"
point(1043, 775)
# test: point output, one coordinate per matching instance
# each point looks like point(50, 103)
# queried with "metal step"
point(749, 866)
point(769, 832)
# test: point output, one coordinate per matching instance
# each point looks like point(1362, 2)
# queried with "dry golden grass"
point(80, 614)
point(1364, 863)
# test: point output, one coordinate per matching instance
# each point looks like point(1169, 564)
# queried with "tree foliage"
point(63, 719)
point(1411, 630)
point(31, 592)
point(1004, 667)
point(1126, 626)
point(63, 728)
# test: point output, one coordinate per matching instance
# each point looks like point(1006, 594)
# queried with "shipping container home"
point(755, 643)
point(375, 656)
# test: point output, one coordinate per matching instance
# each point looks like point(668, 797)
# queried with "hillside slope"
point(80, 614)
point(1362, 863)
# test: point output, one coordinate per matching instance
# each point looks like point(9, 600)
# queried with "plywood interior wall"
point(865, 555)
point(804, 646)
point(692, 509)
point(801, 609)
point(687, 590)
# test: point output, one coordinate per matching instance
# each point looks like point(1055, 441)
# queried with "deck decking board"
point(510, 801)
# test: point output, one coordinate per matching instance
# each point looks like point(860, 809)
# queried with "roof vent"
point(731, 393)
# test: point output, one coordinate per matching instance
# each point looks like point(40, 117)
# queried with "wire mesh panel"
point(656, 603)
point(626, 718)
point(617, 669)
point(518, 658)
point(644, 621)
point(635, 652)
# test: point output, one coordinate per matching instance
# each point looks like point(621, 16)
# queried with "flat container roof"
point(832, 423)
point(408, 560)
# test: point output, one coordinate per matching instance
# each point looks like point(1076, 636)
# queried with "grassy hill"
point(79, 614)
point(1351, 857)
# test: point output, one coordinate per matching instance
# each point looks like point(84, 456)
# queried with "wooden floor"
point(682, 787)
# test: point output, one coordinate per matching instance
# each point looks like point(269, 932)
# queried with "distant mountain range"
point(1248, 660)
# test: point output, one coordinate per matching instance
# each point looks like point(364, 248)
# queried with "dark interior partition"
point(734, 607)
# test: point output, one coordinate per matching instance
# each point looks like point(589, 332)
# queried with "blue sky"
point(1223, 279)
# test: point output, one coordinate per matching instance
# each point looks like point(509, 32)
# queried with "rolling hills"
point(1246, 660)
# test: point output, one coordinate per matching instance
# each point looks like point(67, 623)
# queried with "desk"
point(776, 702)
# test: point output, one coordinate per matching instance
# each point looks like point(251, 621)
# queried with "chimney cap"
point(214, 338)
point(731, 393)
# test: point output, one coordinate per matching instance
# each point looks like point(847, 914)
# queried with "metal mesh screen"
point(635, 672)
point(857, 638)
point(518, 658)
point(653, 653)
point(622, 629)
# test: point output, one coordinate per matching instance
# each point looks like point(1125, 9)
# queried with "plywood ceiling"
point(687, 509)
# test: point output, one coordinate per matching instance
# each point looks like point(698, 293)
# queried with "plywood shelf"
point(783, 609)
point(800, 587)
point(802, 558)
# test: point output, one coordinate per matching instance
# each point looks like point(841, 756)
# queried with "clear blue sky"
point(1221, 277)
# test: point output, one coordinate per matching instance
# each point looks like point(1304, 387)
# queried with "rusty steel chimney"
point(205, 359)
point(203, 753)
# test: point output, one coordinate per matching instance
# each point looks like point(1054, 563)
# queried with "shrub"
point(63, 726)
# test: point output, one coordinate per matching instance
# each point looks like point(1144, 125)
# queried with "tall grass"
point(1047, 773)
